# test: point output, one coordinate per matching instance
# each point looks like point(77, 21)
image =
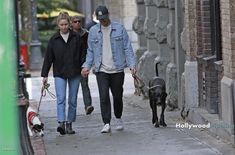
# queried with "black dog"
point(157, 97)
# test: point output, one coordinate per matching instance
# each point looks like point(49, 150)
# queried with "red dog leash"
point(139, 84)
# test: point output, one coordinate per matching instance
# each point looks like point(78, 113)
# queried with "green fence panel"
point(9, 137)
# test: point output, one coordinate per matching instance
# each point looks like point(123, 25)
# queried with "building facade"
point(191, 43)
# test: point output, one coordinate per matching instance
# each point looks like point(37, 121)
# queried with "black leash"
point(44, 90)
point(139, 83)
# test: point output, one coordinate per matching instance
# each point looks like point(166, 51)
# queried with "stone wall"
point(171, 72)
point(138, 27)
point(128, 16)
point(157, 53)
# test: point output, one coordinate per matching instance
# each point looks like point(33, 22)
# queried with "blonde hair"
point(63, 15)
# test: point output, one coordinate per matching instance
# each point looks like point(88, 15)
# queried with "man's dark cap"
point(102, 12)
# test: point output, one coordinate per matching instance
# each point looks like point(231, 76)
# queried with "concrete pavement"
point(139, 136)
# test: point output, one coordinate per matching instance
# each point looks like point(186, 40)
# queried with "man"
point(110, 50)
point(77, 27)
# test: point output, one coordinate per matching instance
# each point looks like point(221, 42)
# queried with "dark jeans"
point(114, 82)
point(86, 92)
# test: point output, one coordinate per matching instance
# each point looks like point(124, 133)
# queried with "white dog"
point(35, 126)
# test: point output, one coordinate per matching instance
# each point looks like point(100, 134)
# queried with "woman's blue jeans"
point(60, 87)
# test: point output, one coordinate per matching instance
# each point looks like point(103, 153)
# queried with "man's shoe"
point(89, 110)
point(61, 128)
point(119, 125)
point(106, 129)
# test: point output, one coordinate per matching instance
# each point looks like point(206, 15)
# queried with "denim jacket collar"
point(113, 28)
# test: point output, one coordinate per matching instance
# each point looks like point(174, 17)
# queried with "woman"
point(64, 52)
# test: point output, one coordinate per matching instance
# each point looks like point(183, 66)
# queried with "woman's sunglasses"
point(76, 21)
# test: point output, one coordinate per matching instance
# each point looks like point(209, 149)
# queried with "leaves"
point(45, 6)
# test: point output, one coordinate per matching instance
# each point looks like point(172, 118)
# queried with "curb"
point(218, 128)
point(38, 145)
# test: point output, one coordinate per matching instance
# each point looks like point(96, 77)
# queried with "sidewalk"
point(38, 142)
point(218, 146)
point(218, 128)
point(196, 116)
point(139, 137)
point(37, 73)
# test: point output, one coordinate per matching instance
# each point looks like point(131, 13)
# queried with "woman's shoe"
point(61, 128)
point(69, 129)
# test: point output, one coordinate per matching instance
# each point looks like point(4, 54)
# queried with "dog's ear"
point(164, 94)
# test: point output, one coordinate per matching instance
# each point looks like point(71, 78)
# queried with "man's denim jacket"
point(123, 55)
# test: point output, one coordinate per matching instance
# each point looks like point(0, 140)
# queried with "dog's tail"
point(156, 68)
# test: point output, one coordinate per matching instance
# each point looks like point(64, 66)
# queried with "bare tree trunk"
point(25, 21)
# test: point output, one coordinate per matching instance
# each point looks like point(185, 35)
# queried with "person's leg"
point(60, 87)
point(72, 100)
point(105, 105)
point(86, 95)
point(117, 81)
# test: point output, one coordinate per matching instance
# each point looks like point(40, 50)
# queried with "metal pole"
point(35, 50)
point(9, 137)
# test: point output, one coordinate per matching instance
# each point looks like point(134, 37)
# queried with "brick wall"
point(198, 22)
point(228, 38)
point(206, 27)
point(199, 27)
point(201, 84)
point(209, 80)
point(190, 25)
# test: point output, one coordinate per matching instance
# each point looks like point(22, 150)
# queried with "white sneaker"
point(106, 129)
point(119, 124)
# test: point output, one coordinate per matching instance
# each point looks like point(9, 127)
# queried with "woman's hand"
point(85, 72)
point(44, 80)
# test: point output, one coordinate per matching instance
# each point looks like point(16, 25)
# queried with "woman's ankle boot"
point(69, 129)
point(61, 128)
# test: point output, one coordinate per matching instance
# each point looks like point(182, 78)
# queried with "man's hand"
point(133, 71)
point(85, 72)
